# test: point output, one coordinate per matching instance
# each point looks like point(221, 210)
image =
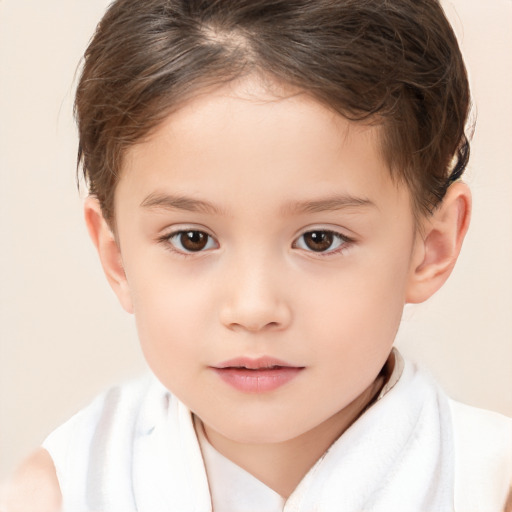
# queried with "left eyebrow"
point(333, 203)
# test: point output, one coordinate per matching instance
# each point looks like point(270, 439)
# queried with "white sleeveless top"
point(135, 449)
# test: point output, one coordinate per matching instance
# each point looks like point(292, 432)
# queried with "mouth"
point(260, 375)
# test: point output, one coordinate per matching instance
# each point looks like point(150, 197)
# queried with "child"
point(270, 182)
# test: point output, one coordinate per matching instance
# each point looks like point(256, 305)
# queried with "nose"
point(255, 299)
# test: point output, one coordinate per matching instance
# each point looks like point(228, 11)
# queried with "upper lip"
point(259, 363)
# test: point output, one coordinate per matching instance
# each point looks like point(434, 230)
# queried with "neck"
point(281, 466)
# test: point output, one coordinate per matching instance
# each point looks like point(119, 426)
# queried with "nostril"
point(254, 327)
point(255, 316)
point(260, 326)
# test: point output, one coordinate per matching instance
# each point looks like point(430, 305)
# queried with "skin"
point(255, 171)
point(508, 504)
point(33, 487)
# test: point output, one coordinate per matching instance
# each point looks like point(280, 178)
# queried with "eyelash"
point(166, 240)
point(343, 240)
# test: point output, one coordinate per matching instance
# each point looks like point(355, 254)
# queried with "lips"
point(260, 375)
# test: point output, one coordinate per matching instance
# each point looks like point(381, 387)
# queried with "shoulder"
point(488, 433)
point(483, 455)
point(101, 434)
point(33, 487)
point(117, 405)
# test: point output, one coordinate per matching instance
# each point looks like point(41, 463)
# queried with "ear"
point(108, 251)
point(438, 243)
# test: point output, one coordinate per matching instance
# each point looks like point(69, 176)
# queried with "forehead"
point(262, 141)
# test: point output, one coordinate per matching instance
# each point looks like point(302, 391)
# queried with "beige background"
point(63, 337)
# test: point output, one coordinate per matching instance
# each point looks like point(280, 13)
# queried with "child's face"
point(300, 249)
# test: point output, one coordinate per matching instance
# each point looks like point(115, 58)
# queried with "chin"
point(259, 432)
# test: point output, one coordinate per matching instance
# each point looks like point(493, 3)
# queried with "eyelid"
point(168, 231)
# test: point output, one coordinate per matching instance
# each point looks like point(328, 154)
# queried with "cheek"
point(359, 309)
point(353, 334)
point(170, 314)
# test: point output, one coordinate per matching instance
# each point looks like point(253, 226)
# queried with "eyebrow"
point(157, 201)
point(333, 203)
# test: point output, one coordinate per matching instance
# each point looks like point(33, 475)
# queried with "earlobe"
point(108, 251)
point(439, 244)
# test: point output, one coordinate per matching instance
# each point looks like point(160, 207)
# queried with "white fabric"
point(246, 492)
point(135, 449)
point(483, 458)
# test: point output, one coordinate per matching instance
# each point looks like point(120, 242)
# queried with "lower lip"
point(258, 381)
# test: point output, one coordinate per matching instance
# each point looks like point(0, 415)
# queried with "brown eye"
point(321, 241)
point(191, 241)
point(318, 241)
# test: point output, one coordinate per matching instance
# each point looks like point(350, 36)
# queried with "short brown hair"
point(394, 62)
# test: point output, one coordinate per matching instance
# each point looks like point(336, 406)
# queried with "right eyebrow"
point(159, 201)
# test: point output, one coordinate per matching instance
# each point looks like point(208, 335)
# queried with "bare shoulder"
point(33, 487)
point(508, 504)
